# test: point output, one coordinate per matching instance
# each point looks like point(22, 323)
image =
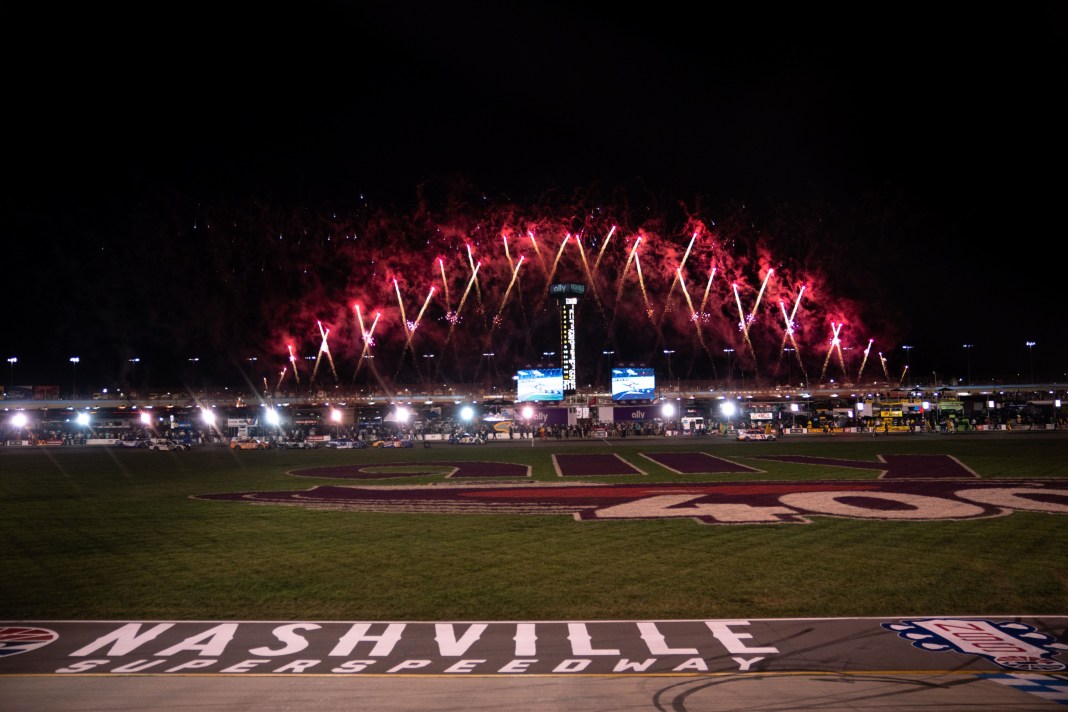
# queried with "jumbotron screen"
point(540, 384)
point(633, 384)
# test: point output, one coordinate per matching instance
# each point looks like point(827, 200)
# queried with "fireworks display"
point(390, 299)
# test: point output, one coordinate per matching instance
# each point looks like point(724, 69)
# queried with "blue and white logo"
point(1010, 645)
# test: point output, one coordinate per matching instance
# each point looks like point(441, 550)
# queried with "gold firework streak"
point(693, 312)
point(760, 295)
point(478, 287)
point(552, 272)
point(743, 326)
point(708, 289)
point(324, 347)
point(589, 278)
point(619, 283)
point(641, 283)
point(788, 334)
point(682, 266)
point(604, 244)
point(460, 306)
point(419, 317)
point(411, 334)
point(515, 272)
point(835, 344)
point(537, 251)
point(864, 361)
point(293, 361)
point(444, 282)
point(368, 337)
point(678, 280)
point(400, 302)
point(508, 291)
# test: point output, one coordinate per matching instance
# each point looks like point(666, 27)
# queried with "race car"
point(467, 439)
point(346, 444)
point(164, 444)
point(298, 445)
point(392, 442)
point(249, 444)
point(755, 435)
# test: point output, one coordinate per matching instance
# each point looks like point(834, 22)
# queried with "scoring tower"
point(567, 296)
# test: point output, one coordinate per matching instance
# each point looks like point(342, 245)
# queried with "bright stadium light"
point(668, 352)
point(74, 361)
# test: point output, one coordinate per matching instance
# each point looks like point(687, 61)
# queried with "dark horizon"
point(268, 170)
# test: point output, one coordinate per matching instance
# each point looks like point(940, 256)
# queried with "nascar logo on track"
point(1014, 646)
point(15, 640)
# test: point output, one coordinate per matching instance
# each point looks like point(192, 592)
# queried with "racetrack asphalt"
point(750, 692)
point(941, 664)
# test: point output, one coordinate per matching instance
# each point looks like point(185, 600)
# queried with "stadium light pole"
point(429, 368)
point(728, 352)
point(74, 360)
point(135, 360)
point(908, 363)
point(668, 352)
point(528, 416)
point(968, 360)
point(1031, 358)
point(194, 361)
point(335, 415)
point(489, 367)
point(12, 361)
point(609, 354)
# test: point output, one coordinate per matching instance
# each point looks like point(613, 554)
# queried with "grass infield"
point(105, 533)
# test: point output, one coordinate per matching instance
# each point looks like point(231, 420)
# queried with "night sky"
point(224, 183)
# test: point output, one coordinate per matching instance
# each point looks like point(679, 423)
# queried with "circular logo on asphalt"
point(15, 639)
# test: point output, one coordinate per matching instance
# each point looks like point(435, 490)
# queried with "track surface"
point(946, 663)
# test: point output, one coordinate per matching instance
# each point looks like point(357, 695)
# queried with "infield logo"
point(18, 639)
point(908, 488)
point(1010, 645)
point(708, 503)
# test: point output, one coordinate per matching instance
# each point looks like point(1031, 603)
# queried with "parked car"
point(346, 444)
point(467, 439)
point(754, 435)
point(298, 445)
point(166, 444)
point(249, 444)
point(392, 442)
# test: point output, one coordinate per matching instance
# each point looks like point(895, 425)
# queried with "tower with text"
point(567, 296)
